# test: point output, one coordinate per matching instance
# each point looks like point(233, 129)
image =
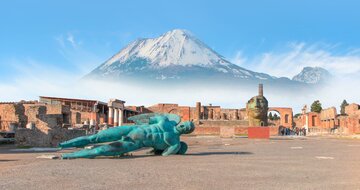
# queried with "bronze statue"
point(257, 109)
point(159, 131)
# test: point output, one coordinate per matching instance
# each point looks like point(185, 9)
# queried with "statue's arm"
point(174, 144)
point(173, 149)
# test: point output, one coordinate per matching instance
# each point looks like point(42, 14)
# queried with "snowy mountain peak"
point(176, 47)
point(178, 33)
point(312, 75)
point(175, 54)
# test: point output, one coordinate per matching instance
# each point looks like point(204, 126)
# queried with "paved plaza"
point(211, 163)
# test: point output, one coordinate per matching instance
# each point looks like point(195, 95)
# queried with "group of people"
point(283, 131)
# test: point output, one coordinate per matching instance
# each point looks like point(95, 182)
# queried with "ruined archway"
point(286, 116)
point(274, 118)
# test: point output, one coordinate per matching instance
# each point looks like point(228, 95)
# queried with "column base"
point(111, 121)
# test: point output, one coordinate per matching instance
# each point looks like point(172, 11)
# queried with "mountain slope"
point(174, 55)
point(312, 75)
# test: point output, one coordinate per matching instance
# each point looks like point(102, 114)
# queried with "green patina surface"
point(257, 108)
point(159, 131)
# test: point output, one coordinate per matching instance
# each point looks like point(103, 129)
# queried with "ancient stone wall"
point(81, 117)
point(85, 117)
point(226, 128)
point(229, 114)
point(328, 114)
point(206, 131)
point(56, 109)
point(350, 124)
point(185, 112)
point(242, 114)
point(314, 119)
point(47, 130)
point(12, 114)
point(38, 138)
point(75, 118)
point(206, 112)
point(352, 109)
point(311, 119)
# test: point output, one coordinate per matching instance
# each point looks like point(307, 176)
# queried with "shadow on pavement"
point(8, 160)
point(217, 153)
point(187, 154)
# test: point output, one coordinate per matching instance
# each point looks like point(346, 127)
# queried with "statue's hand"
point(171, 150)
point(183, 148)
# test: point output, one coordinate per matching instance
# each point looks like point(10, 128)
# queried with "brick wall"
point(225, 128)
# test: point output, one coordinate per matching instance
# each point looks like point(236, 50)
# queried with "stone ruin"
point(37, 124)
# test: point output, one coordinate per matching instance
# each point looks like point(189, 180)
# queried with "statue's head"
point(257, 108)
point(185, 127)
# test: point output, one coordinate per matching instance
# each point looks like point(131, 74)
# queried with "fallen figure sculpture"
point(159, 131)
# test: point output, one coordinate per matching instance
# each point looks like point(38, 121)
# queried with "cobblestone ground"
point(211, 163)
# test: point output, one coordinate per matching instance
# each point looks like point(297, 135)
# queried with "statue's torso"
point(153, 135)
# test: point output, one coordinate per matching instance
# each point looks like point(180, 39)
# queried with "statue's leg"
point(108, 135)
point(112, 149)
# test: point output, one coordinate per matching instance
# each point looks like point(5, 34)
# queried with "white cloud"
point(34, 79)
point(80, 58)
point(38, 79)
point(299, 55)
point(238, 59)
point(70, 38)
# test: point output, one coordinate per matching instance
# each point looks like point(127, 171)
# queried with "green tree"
point(271, 116)
point(342, 107)
point(297, 115)
point(316, 106)
point(276, 117)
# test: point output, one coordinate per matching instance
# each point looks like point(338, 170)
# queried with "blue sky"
point(30, 29)
point(274, 36)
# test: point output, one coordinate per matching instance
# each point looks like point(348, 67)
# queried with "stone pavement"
point(211, 163)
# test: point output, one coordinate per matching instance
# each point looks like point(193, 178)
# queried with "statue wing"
point(145, 118)
point(142, 118)
point(173, 117)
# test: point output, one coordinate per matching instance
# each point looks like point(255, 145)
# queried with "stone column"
point(198, 111)
point(111, 116)
point(261, 90)
point(116, 117)
point(121, 116)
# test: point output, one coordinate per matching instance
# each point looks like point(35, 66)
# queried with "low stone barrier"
point(227, 128)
